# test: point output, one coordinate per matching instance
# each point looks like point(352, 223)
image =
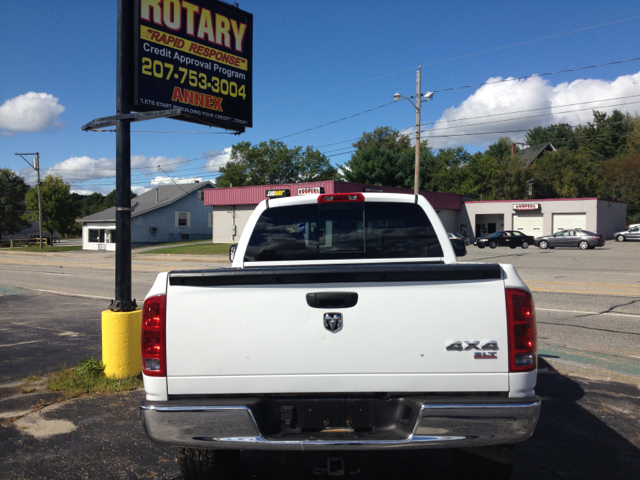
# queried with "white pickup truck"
point(345, 322)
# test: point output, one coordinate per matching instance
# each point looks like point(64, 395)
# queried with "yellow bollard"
point(121, 343)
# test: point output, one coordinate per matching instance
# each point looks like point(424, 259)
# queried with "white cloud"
point(528, 94)
point(76, 169)
point(30, 112)
point(217, 159)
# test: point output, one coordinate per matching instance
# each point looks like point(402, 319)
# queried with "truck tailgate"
point(254, 331)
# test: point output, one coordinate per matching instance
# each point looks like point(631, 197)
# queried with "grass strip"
point(36, 248)
point(202, 249)
point(89, 378)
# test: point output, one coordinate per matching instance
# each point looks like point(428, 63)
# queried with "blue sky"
point(316, 62)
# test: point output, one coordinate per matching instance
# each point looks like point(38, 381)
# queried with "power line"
point(538, 75)
point(511, 113)
point(452, 59)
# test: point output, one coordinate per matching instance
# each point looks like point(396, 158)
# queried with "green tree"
point(110, 199)
point(59, 210)
point(272, 163)
point(561, 135)
point(91, 204)
point(619, 177)
point(386, 157)
point(12, 208)
point(607, 136)
point(445, 170)
point(564, 174)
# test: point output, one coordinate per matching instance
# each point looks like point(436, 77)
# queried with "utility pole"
point(416, 177)
point(36, 167)
point(123, 301)
point(419, 99)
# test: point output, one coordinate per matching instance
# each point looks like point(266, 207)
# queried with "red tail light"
point(153, 345)
point(521, 322)
point(341, 197)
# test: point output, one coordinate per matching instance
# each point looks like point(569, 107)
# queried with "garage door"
point(566, 221)
point(528, 223)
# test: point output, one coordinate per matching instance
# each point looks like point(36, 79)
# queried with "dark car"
point(460, 236)
point(582, 239)
point(632, 234)
point(505, 238)
point(458, 245)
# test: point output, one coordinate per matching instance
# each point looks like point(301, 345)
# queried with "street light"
point(420, 98)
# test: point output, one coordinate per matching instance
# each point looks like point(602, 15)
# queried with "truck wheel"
point(201, 463)
point(620, 238)
point(493, 244)
point(525, 244)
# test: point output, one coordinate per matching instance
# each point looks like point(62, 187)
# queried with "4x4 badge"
point(333, 322)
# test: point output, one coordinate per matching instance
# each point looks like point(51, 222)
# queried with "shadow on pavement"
point(588, 428)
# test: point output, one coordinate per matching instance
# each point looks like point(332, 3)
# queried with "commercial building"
point(544, 217)
point(233, 206)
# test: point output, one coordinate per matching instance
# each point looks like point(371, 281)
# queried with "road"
point(584, 299)
point(588, 310)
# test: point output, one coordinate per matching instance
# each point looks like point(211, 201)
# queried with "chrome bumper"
point(438, 425)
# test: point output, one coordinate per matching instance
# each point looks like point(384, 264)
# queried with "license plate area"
point(336, 418)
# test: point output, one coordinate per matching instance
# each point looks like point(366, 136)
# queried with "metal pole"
point(416, 180)
point(37, 160)
point(123, 301)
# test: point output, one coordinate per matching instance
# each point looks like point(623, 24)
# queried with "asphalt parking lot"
point(588, 305)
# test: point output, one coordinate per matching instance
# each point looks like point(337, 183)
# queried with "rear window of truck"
point(343, 231)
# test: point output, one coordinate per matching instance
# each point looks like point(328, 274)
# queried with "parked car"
point(571, 238)
point(460, 236)
point(505, 238)
point(632, 234)
point(458, 244)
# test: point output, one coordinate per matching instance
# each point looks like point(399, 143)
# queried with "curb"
point(600, 365)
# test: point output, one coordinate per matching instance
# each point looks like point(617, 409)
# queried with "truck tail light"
point(153, 345)
point(341, 197)
point(521, 323)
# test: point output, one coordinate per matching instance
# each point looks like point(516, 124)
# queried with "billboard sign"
point(197, 56)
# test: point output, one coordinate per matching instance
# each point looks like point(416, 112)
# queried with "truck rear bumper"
point(438, 423)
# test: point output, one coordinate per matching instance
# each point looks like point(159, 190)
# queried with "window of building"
point(210, 219)
point(102, 235)
point(201, 195)
point(183, 219)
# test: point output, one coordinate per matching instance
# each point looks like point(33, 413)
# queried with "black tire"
point(620, 238)
point(525, 244)
point(583, 245)
point(201, 463)
point(543, 244)
point(493, 244)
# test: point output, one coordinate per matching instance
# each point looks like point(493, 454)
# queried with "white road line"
point(20, 343)
point(589, 313)
point(51, 273)
point(73, 294)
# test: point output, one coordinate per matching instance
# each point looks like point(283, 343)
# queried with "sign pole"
point(123, 301)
